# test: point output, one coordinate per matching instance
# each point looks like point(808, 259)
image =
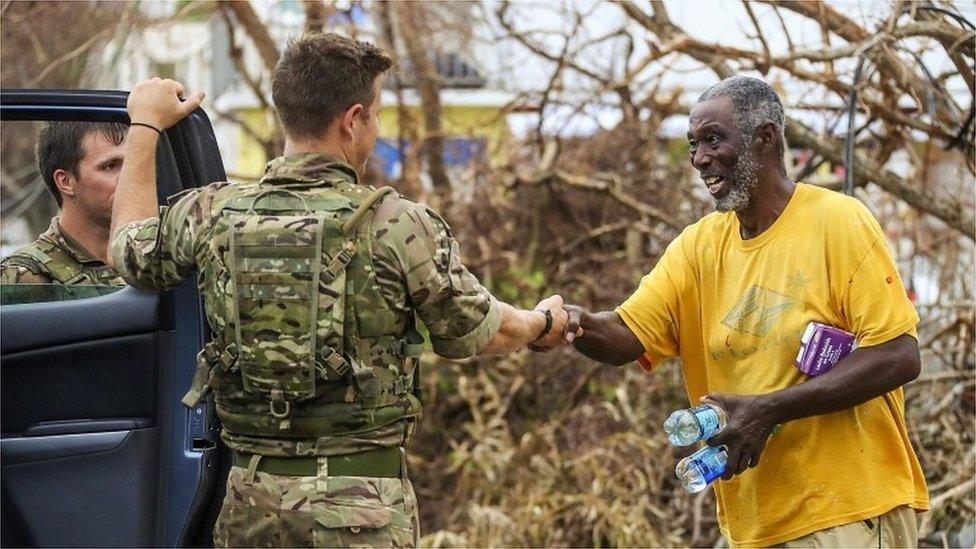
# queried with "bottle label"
point(709, 461)
point(707, 420)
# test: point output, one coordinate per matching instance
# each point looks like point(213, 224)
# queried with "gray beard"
point(745, 177)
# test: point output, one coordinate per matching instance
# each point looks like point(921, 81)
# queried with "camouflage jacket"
point(56, 258)
point(416, 265)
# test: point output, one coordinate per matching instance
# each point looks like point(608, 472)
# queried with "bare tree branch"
point(601, 183)
point(759, 34)
point(315, 15)
point(867, 170)
point(503, 17)
point(660, 24)
point(890, 65)
point(258, 32)
point(71, 55)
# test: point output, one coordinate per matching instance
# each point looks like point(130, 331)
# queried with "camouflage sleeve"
point(416, 246)
point(160, 252)
point(16, 272)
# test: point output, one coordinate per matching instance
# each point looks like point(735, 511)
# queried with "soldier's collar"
point(69, 244)
point(310, 168)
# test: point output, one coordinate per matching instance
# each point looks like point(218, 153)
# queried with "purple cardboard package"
point(822, 347)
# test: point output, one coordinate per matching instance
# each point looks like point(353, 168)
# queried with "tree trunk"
point(411, 17)
point(256, 30)
point(407, 133)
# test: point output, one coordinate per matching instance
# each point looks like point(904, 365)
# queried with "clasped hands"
point(565, 324)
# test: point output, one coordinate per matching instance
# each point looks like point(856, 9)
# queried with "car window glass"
point(40, 259)
point(35, 293)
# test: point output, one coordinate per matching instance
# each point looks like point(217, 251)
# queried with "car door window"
point(57, 182)
point(97, 450)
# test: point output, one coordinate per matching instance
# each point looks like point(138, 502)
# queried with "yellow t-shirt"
point(733, 310)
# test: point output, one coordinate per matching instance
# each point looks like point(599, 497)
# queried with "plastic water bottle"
point(685, 427)
point(699, 469)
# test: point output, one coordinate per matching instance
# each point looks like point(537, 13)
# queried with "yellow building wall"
point(250, 154)
point(457, 121)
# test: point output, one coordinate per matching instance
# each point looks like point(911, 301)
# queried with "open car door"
point(96, 449)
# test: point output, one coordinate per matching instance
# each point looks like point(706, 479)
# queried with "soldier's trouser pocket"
point(295, 511)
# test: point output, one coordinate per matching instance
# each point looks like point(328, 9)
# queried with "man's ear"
point(765, 136)
point(348, 120)
point(65, 182)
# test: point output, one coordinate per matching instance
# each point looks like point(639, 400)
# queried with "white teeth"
point(714, 183)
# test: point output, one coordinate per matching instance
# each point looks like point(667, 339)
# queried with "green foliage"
point(195, 10)
point(676, 151)
point(520, 286)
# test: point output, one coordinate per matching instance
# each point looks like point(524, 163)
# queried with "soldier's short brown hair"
point(321, 75)
point(60, 146)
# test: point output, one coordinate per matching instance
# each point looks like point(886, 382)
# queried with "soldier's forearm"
point(518, 329)
point(135, 195)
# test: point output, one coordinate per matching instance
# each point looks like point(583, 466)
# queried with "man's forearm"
point(865, 374)
point(607, 339)
point(135, 195)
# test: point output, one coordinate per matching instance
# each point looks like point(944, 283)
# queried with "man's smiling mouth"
point(715, 183)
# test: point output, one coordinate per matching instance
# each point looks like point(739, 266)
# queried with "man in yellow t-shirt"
point(731, 297)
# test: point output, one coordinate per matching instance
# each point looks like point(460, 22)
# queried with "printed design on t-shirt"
point(757, 311)
point(796, 283)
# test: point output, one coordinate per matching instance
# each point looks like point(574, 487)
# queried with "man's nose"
point(700, 160)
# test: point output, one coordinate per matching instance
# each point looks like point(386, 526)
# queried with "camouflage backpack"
point(289, 328)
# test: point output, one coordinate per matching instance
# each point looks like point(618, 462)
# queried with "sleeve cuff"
point(646, 361)
point(907, 327)
point(469, 344)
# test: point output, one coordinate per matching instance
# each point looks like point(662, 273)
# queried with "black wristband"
point(545, 331)
point(150, 126)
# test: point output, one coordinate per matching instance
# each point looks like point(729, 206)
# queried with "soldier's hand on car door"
point(158, 102)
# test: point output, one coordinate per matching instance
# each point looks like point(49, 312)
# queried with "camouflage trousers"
point(265, 510)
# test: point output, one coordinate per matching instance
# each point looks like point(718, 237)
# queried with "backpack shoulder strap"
point(364, 207)
point(54, 261)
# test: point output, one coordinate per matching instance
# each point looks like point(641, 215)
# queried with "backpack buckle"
point(402, 385)
point(279, 407)
point(225, 359)
point(228, 357)
point(339, 262)
point(333, 364)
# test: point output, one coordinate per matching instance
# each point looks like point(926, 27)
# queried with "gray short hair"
point(754, 103)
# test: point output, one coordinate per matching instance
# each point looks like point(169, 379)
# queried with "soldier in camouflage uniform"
point(312, 283)
point(56, 258)
point(80, 163)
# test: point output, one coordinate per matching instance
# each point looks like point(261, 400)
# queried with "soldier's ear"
point(349, 120)
point(65, 182)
